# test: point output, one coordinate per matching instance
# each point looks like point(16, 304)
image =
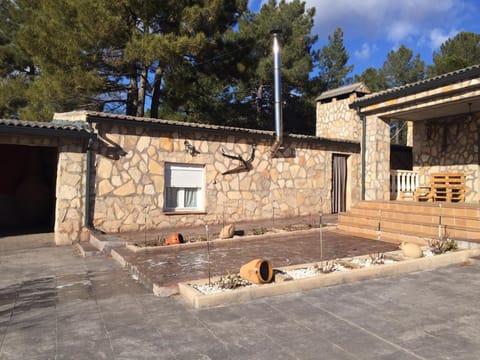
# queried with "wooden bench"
point(449, 187)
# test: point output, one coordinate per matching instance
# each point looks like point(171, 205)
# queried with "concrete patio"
point(55, 304)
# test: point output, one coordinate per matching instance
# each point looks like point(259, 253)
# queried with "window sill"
point(184, 212)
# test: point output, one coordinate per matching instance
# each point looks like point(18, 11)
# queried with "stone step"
point(387, 236)
point(105, 242)
point(409, 221)
point(86, 249)
point(435, 209)
point(411, 216)
point(400, 225)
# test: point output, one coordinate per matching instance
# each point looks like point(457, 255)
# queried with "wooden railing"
point(403, 184)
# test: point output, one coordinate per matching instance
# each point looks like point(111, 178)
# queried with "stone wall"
point(335, 120)
point(130, 177)
point(448, 146)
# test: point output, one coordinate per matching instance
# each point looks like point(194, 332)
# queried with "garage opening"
point(27, 189)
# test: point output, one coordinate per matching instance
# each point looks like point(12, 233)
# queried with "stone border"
point(198, 300)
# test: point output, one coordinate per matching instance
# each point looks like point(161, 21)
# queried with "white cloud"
point(401, 30)
point(365, 51)
point(437, 37)
point(396, 21)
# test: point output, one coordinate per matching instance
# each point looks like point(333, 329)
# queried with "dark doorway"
point(27, 189)
point(401, 157)
point(339, 183)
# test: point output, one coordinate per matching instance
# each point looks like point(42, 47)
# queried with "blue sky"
point(372, 28)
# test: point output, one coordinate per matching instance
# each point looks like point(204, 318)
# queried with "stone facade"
point(449, 145)
point(130, 176)
point(335, 120)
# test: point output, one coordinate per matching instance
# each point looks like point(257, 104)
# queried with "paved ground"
point(288, 248)
point(56, 305)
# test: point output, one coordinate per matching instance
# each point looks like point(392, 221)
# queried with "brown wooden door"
point(339, 183)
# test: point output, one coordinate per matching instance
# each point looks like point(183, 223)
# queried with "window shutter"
point(184, 176)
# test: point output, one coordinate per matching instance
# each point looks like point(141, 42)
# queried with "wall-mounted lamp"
point(190, 149)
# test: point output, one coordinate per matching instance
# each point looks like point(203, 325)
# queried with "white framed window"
point(184, 186)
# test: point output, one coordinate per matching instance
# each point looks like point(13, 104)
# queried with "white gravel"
point(312, 271)
point(428, 252)
point(214, 288)
point(366, 262)
point(302, 273)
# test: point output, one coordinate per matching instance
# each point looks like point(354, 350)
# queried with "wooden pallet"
point(422, 193)
point(449, 187)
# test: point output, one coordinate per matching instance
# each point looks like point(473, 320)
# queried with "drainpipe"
point(87, 218)
point(278, 94)
point(363, 118)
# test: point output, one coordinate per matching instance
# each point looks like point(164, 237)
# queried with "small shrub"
point(377, 259)
point(328, 267)
point(438, 246)
point(153, 242)
point(260, 231)
point(231, 281)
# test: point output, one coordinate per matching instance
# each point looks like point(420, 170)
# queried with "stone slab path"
point(56, 305)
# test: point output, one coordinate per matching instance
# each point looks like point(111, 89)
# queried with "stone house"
point(120, 173)
point(141, 172)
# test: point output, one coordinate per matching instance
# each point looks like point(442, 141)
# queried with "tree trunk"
point(157, 82)
point(259, 102)
point(132, 94)
point(142, 92)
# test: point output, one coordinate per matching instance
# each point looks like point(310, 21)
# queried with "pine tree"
point(112, 55)
point(459, 52)
point(373, 78)
point(401, 67)
point(16, 68)
point(253, 92)
point(332, 62)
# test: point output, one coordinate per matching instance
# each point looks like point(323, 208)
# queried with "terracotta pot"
point(411, 250)
point(175, 238)
point(258, 271)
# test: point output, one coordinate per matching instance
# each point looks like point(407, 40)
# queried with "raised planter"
point(197, 299)
point(139, 248)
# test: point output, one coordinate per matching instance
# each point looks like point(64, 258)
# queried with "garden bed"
point(343, 271)
point(195, 242)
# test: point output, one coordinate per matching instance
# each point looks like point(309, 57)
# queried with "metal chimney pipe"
point(278, 93)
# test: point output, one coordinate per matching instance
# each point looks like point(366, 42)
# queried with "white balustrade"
point(403, 184)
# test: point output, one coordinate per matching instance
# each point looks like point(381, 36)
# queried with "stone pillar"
point(377, 156)
point(70, 204)
point(354, 186)
point(409, 133)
